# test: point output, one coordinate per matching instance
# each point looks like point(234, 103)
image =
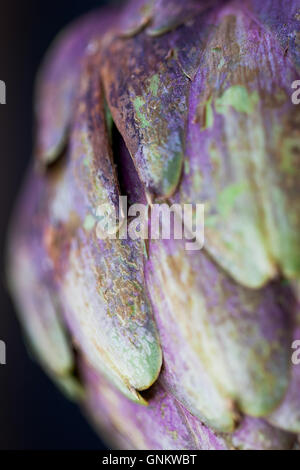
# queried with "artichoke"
point(168, 102)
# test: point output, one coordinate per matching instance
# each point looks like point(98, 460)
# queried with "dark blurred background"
point(33, 413)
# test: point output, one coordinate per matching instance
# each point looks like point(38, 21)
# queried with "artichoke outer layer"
point(196, 345)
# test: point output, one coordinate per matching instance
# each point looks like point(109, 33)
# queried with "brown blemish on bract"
point(122, 288)
point(136, 29)
point(57, 240)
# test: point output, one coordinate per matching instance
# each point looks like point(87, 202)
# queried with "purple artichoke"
point(169, 102)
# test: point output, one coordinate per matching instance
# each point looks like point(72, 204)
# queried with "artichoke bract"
point(168, 102)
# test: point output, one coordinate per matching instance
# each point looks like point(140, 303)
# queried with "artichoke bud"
point(168, 102)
